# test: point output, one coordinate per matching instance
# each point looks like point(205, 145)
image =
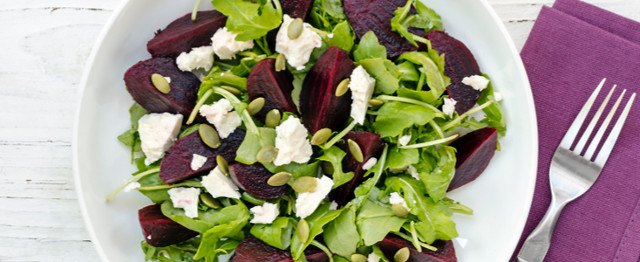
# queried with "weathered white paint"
point(45, 44)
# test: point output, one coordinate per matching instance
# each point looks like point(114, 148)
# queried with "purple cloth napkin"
point(572, 46)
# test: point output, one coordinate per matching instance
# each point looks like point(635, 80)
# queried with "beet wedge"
point(371, 145)
point(184, 87)
point(183, 34)
point(392, 243)
point(253, 179)
point(159, 230)
point(274, 87)
point(252, 249)
point(367, 15)
point(176, 165)
point(459, 63)
point(473, 152)
point(319, 106)
point(296, 8)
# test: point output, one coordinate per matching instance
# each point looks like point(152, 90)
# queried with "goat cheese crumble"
point(292, 143)
point(373, 257)
point(362, 86)
point(395, 198)
point(157, 133)
point(131, 186)
point(297, 51)
point(370, 163)
point(449, 106)
point(185, 198)
point(404, 140)
point(220, 185)
point(225, 45)
point(197, 58)
point(222, 116)
point(264, 214)
point(197, 161)
point(308, 202)
point(477, 82)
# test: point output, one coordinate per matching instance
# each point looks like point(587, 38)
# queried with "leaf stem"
point(466, 114)
point(410, 101)
point(431, 143)
point(131, 180)
point(195, 110)
point(194, 13)
point(160, 187)
point(436, 127)
point(422, 244)
point(340, 135)
point(414, 236)
point(323, 248)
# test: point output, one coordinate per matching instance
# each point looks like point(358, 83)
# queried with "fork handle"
point(537, 244)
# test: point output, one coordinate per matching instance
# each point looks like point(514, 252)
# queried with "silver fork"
point(571, 172)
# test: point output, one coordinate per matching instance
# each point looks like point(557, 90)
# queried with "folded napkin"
point(572, 46)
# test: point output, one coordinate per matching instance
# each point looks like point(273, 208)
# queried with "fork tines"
point(607, 146)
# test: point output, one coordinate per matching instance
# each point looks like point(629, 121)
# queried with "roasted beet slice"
point(367, 15)
point(184, 87)
point(459, 63)
point(371, 145)
point(253, 179)
point(159, 230)
point(296, 8)
point(473, 152)
point(274, 87)
point(319, 106)
point(392, 243)
point(252, 249)
point(176, 165)
point(183, 34)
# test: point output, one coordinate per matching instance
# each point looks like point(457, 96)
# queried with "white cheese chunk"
point(158, 133)
point(370, 163)
point(131, 186)
point(185, 198)
point(449, 106)
point(404, 140)
point(197, 161)
point(497, 96)
point(362, 86)
point(395, 198)
point(264, 214)
point(168, 79)
point(308, 202)
point(292, 143)
point(297, 51)
point(197, 58)
point(220, 185)
point(476, 81)
point(373, 257)
point(413, 172)
point(220, 114)
point(225, 45)
point(333, 205)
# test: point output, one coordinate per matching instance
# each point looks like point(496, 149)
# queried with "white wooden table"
point(45, 44)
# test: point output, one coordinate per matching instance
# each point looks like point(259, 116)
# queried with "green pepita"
point(355, 150)
point(375, 102)
point(209, 136)
point(255, 106)
point(267, 154)
point(402, 255)
point(303, 231)
point(160, 83)
point(343, 87)
point(273, 118)
point(304, 184)
point(222, 164)
point(279, 179)
point(358, 258)
point(295, 28)
point(281, 63)
point(232, 90)
point(209, 201)
point(321, 136)
point(399, 210)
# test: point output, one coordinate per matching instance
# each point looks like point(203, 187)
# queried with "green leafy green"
point(189, 130)
point(326, 14)
point(252, 143)
point(424, 96)
point(493, 112)
point(369, 47)
point(408, 72)
point(218, 78)
point(250, 19)
point(425, 18)
point(228, 223)
point(130, 137)
point(205, 220)
point(341, 234)
point(384, 71)
point(394, 117)
point(342, 37)
point(295, 169)
point(401, 158)
point(317, 221)
point(436, 79)
point(156, 196)
point(375, 221)
point(436, 170)
point(182, 252)
point(334, 156)
point(277, 234)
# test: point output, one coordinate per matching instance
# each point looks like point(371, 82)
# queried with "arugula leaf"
point(252, 20)
point(343, 37)
point(424, 96)
point(369, 47)
point(182, 252)
point(425, 18)
point(218, 78)
point(252, 143)
point(130, 137)
point(205, 220)
point(317, 221)
point(437, 176)
point(334, 156)
point(374, 222)
point(341, 234)
point(436, 80)
point(189, 130)
point(326, 14)
point(408, 72)
point(295, 169)
point(493, 112)
point(401, 158)
point(393, 117)
point(156, 196)
point(229, 222)
point(277, 234)
point(385, 72)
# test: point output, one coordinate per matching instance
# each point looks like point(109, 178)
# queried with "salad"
point(307, 130)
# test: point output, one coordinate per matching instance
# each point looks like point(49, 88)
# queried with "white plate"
point(500, 197)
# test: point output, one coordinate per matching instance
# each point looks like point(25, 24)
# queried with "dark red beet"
point(274, 87)
point(183, 34)
point(392, 243)
point(296, 8)
point(459, 63)
point(160, 231)
point(253, 179)
point(473, 152)
point(176, 165)
point(319, 105)
point(252, 249)
point(371, 145)
point(184, 87)
point(367, 15)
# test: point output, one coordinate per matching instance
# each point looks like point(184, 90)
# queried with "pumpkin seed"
point(232, 90)
point(355, 150)
point(209, 136)
point(209, 201)
point(343, 87)
point(375, 102)
point(279, 179)
point(321, 136)
point(358, 258)
point(327, 168)
point(222, 164)
point(281, 63)
point(295, 28)
point(303, 231)
point(399, 210)
point(304, 184)
point(160, 83)
point(402, 255)
point(255, 106)
point(267, 154)
point(273, 118)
